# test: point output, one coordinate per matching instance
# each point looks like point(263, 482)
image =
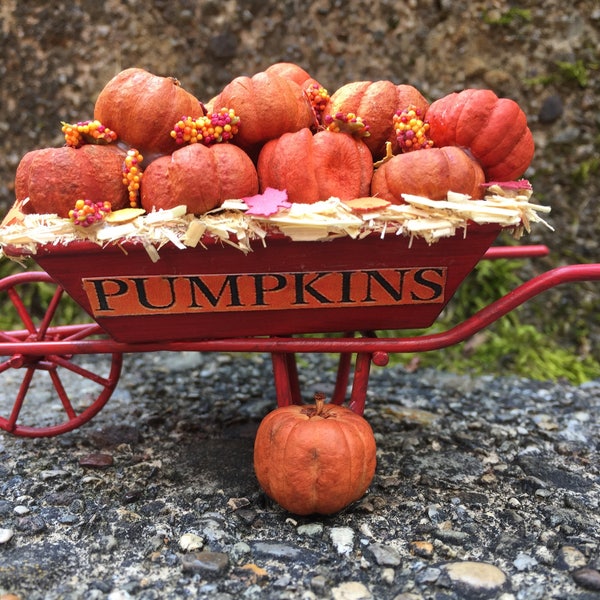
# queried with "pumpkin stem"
point(319, 403)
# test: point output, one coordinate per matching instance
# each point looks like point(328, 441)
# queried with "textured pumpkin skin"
point(315, 167)
point(314, 464)
point(493, 129)
point(376, 102)
point(430, 173)
point(55, 178)
point(198, 176)
point(268, 106)
point(291, 71)
point(142, 109)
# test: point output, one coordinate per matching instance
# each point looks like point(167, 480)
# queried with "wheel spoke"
point(18, 405)
point(79, 370)
point(50, 312)
point(21, 309)
point(62, 394)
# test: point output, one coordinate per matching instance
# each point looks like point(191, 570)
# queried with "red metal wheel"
point(48, 394)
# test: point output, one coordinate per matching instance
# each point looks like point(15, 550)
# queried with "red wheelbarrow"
point(214, 298)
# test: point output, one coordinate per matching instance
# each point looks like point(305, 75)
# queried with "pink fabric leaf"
point(268, 203)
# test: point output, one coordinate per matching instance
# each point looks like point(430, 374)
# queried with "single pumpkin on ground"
point(201, 177)
point(316, 167)
point(268, 106)
point(142, 108)
point(493, 129)
point(431, 173)
point(376, 102)
point(55, 178)
point(314, 459)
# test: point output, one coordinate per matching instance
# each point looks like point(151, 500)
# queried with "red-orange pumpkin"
point(142, 109)
point(314, 459)
point(375, 103)
point(430, 173)
point(493, 129)
point(268, 106)
point(55, 178)
point(316, 167)
point(198, 176)
point(291, 71)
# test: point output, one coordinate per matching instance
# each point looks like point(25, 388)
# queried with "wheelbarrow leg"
point(285, 372)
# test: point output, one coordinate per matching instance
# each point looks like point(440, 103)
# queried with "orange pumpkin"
point(198, 176)
point(314, 459)
point(493, 129)
point(291, 71)
point(55, 178)
point(268, 106)
point(376, 102)
point(430, 173)
point(315, 167)
point(142, 108)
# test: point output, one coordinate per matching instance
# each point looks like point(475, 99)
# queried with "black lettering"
point(437, 288)
point(230, 282)
point(303, 287)
point(346, 297)
point(102, 293)
point(140, 286)
point(394, 292)
point(260, 289)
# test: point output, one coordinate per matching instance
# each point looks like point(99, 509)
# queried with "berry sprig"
point(210, 129)
point(87, 132)
point(411, 129)
point(346, 123)
point(132, 175)
point(87, 213)
point(319, 98)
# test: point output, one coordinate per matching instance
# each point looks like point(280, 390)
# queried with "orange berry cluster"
point(411, 130)
point(318, 97)
point(87, 132)
point(218, 127)
point(87, 213)
point(346, 123)
point(132, 175)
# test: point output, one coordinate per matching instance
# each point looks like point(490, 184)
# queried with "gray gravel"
point(485, 488)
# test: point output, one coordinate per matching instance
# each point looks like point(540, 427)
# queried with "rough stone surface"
point(455, 511)
point(56, 59)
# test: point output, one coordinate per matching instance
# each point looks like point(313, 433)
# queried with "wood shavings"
point(229, 224)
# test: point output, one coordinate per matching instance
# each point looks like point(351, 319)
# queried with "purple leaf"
point(268, 203)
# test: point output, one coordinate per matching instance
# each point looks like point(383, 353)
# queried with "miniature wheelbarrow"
point(214, 298)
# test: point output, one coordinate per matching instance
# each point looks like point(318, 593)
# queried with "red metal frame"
point(45, 347)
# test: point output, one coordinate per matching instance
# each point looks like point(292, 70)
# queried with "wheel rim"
point(45, 395)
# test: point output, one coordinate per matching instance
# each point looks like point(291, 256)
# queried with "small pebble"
point(190, 541)
point(343, 539)
point(351, 590)
point(6, 535)
point(97, 460)
point(587, 578)
point(477, 576)
point(207, 564)
point(570, 558)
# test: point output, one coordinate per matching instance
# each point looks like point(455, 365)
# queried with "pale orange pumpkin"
point(268, 106)
point(493, 129)
point(199, 177)
point(315, 167)
point(376, 102)
point(430, 173)
point(55, 178)
point(142, 109)
point(314, 459)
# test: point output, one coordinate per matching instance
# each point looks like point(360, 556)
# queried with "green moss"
point(512, 16)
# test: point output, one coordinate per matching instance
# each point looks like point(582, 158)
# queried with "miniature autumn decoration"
point(376, 102)
point(141, 108)
point(55, 178)
point(314, 459)
point(315, 167)
point(493, 129)
point(268, 106)
point(198, 176)
point(431, 173)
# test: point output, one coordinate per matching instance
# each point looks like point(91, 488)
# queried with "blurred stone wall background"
point(56, 57)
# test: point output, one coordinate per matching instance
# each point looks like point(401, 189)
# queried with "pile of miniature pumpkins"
point(155, 145)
